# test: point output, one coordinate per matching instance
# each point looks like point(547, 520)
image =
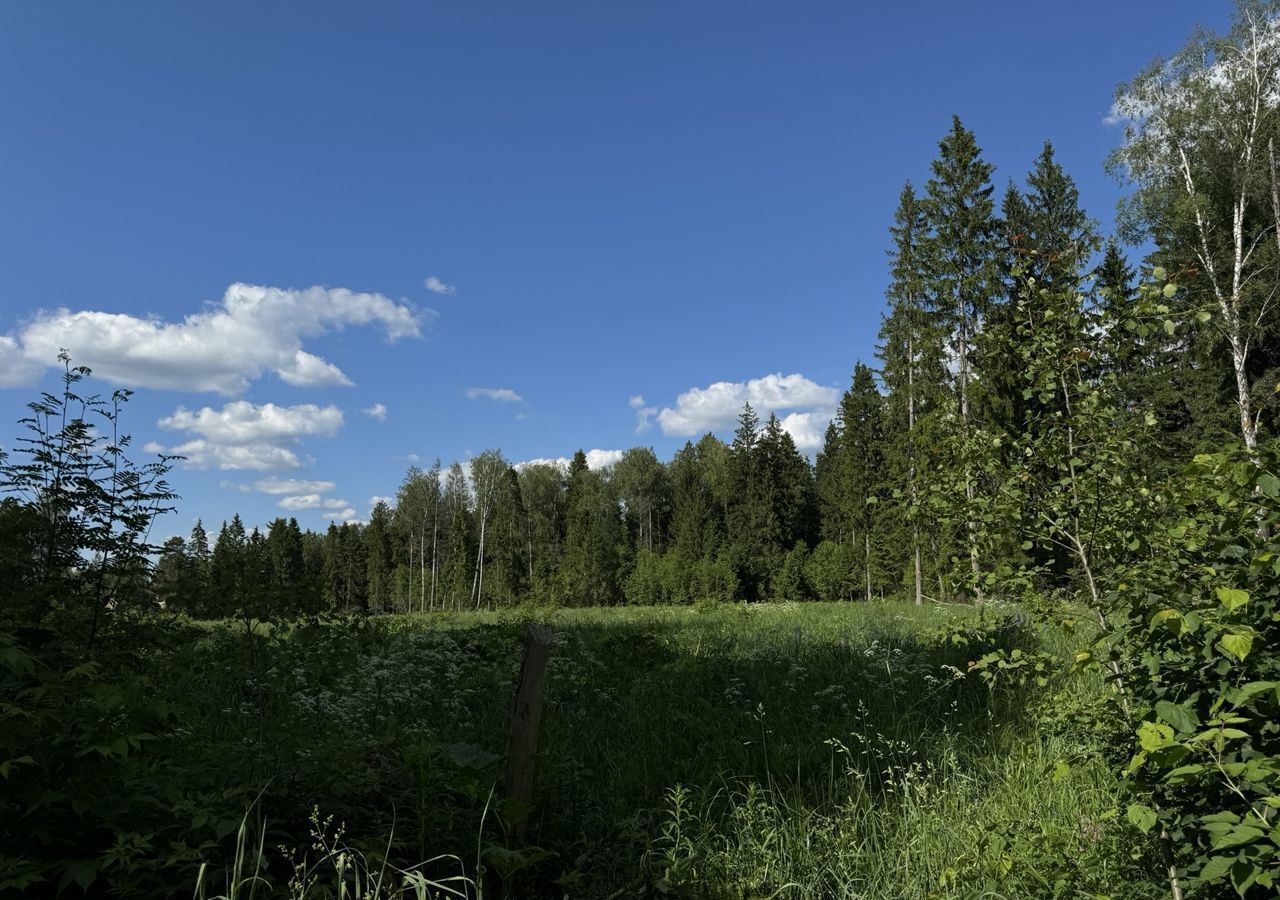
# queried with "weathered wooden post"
point(525, 716)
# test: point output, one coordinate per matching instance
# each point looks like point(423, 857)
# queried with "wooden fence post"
point(525, 716)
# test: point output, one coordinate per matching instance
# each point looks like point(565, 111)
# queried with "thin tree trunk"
point(919, 582)
point(479, 580)
point(408, 594)
point(866, 560)
point(435, 552)
point(911, 464)
point(1239, 362)
point(1275, 189)
point(972, 526)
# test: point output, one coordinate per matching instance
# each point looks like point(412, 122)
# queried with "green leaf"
point(1269, 484)
point(1180, 717)
point(1061, 769)
point(1238, 836)
point(1232, 598)
point(1215, 868)
point(7, 766)
point(1144, 817)
point(1237, 645)
point(1170, 618)
point(1154, 736)
point(1252, 689)
point(1243, 875)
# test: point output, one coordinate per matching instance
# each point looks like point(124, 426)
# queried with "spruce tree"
point(911, 367)
point(963, 278)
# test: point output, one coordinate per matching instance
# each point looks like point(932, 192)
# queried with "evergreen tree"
point(594, 538)
point(227, 566)
point(377, 540)
point(458, 552)
point(911, 367)
point(964, 276)
point(699, 487)
point(200, 555)
point(171, 579)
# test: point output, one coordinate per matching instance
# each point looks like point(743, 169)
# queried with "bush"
point(830, 570)
point(1197, 623)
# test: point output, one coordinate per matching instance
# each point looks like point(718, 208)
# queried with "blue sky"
point(517, 218)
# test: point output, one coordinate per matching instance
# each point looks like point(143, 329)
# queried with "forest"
point(1011, 632)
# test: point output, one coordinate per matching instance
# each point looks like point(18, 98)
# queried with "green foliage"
point(1197, 621)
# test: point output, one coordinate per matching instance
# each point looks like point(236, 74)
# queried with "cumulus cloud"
point(253, 330)
point(436, 286)
point(244, 435)
point(644, 413)
point(15, 368)
point(498, 395)
point(808, 429)
point(716, 407)
point(596, 460)
point(377, 412)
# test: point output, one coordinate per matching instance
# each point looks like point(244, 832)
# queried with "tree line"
point(901, 497)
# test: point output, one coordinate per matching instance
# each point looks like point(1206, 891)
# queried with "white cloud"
point(376, 499)
point(278, 486)
point(717, 406)
point(436, 286)
point(644, 414)
point(243, 435)
point(347, 515)
point(596, 460)
point(16, 369)
point(808, 429)
point(223, 348)
point(498, 395)
point(377, 412)
point(299, 502)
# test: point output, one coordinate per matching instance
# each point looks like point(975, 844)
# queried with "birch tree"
point(1200, 147)
point(488, 471)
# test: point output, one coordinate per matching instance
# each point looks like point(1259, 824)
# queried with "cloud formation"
point(436, 286)
point(596, 460)
point(377, 412)
point(498, 395)
point(15, 368)
point(243, 435)
point(253, 330)
point(300, 502)
point(276, 486)
point(716, 407)
point(644, 414)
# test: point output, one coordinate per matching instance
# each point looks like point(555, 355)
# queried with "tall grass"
point(810, 750)
point(330, 869)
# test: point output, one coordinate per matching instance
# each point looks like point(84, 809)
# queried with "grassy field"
point(813, 750)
